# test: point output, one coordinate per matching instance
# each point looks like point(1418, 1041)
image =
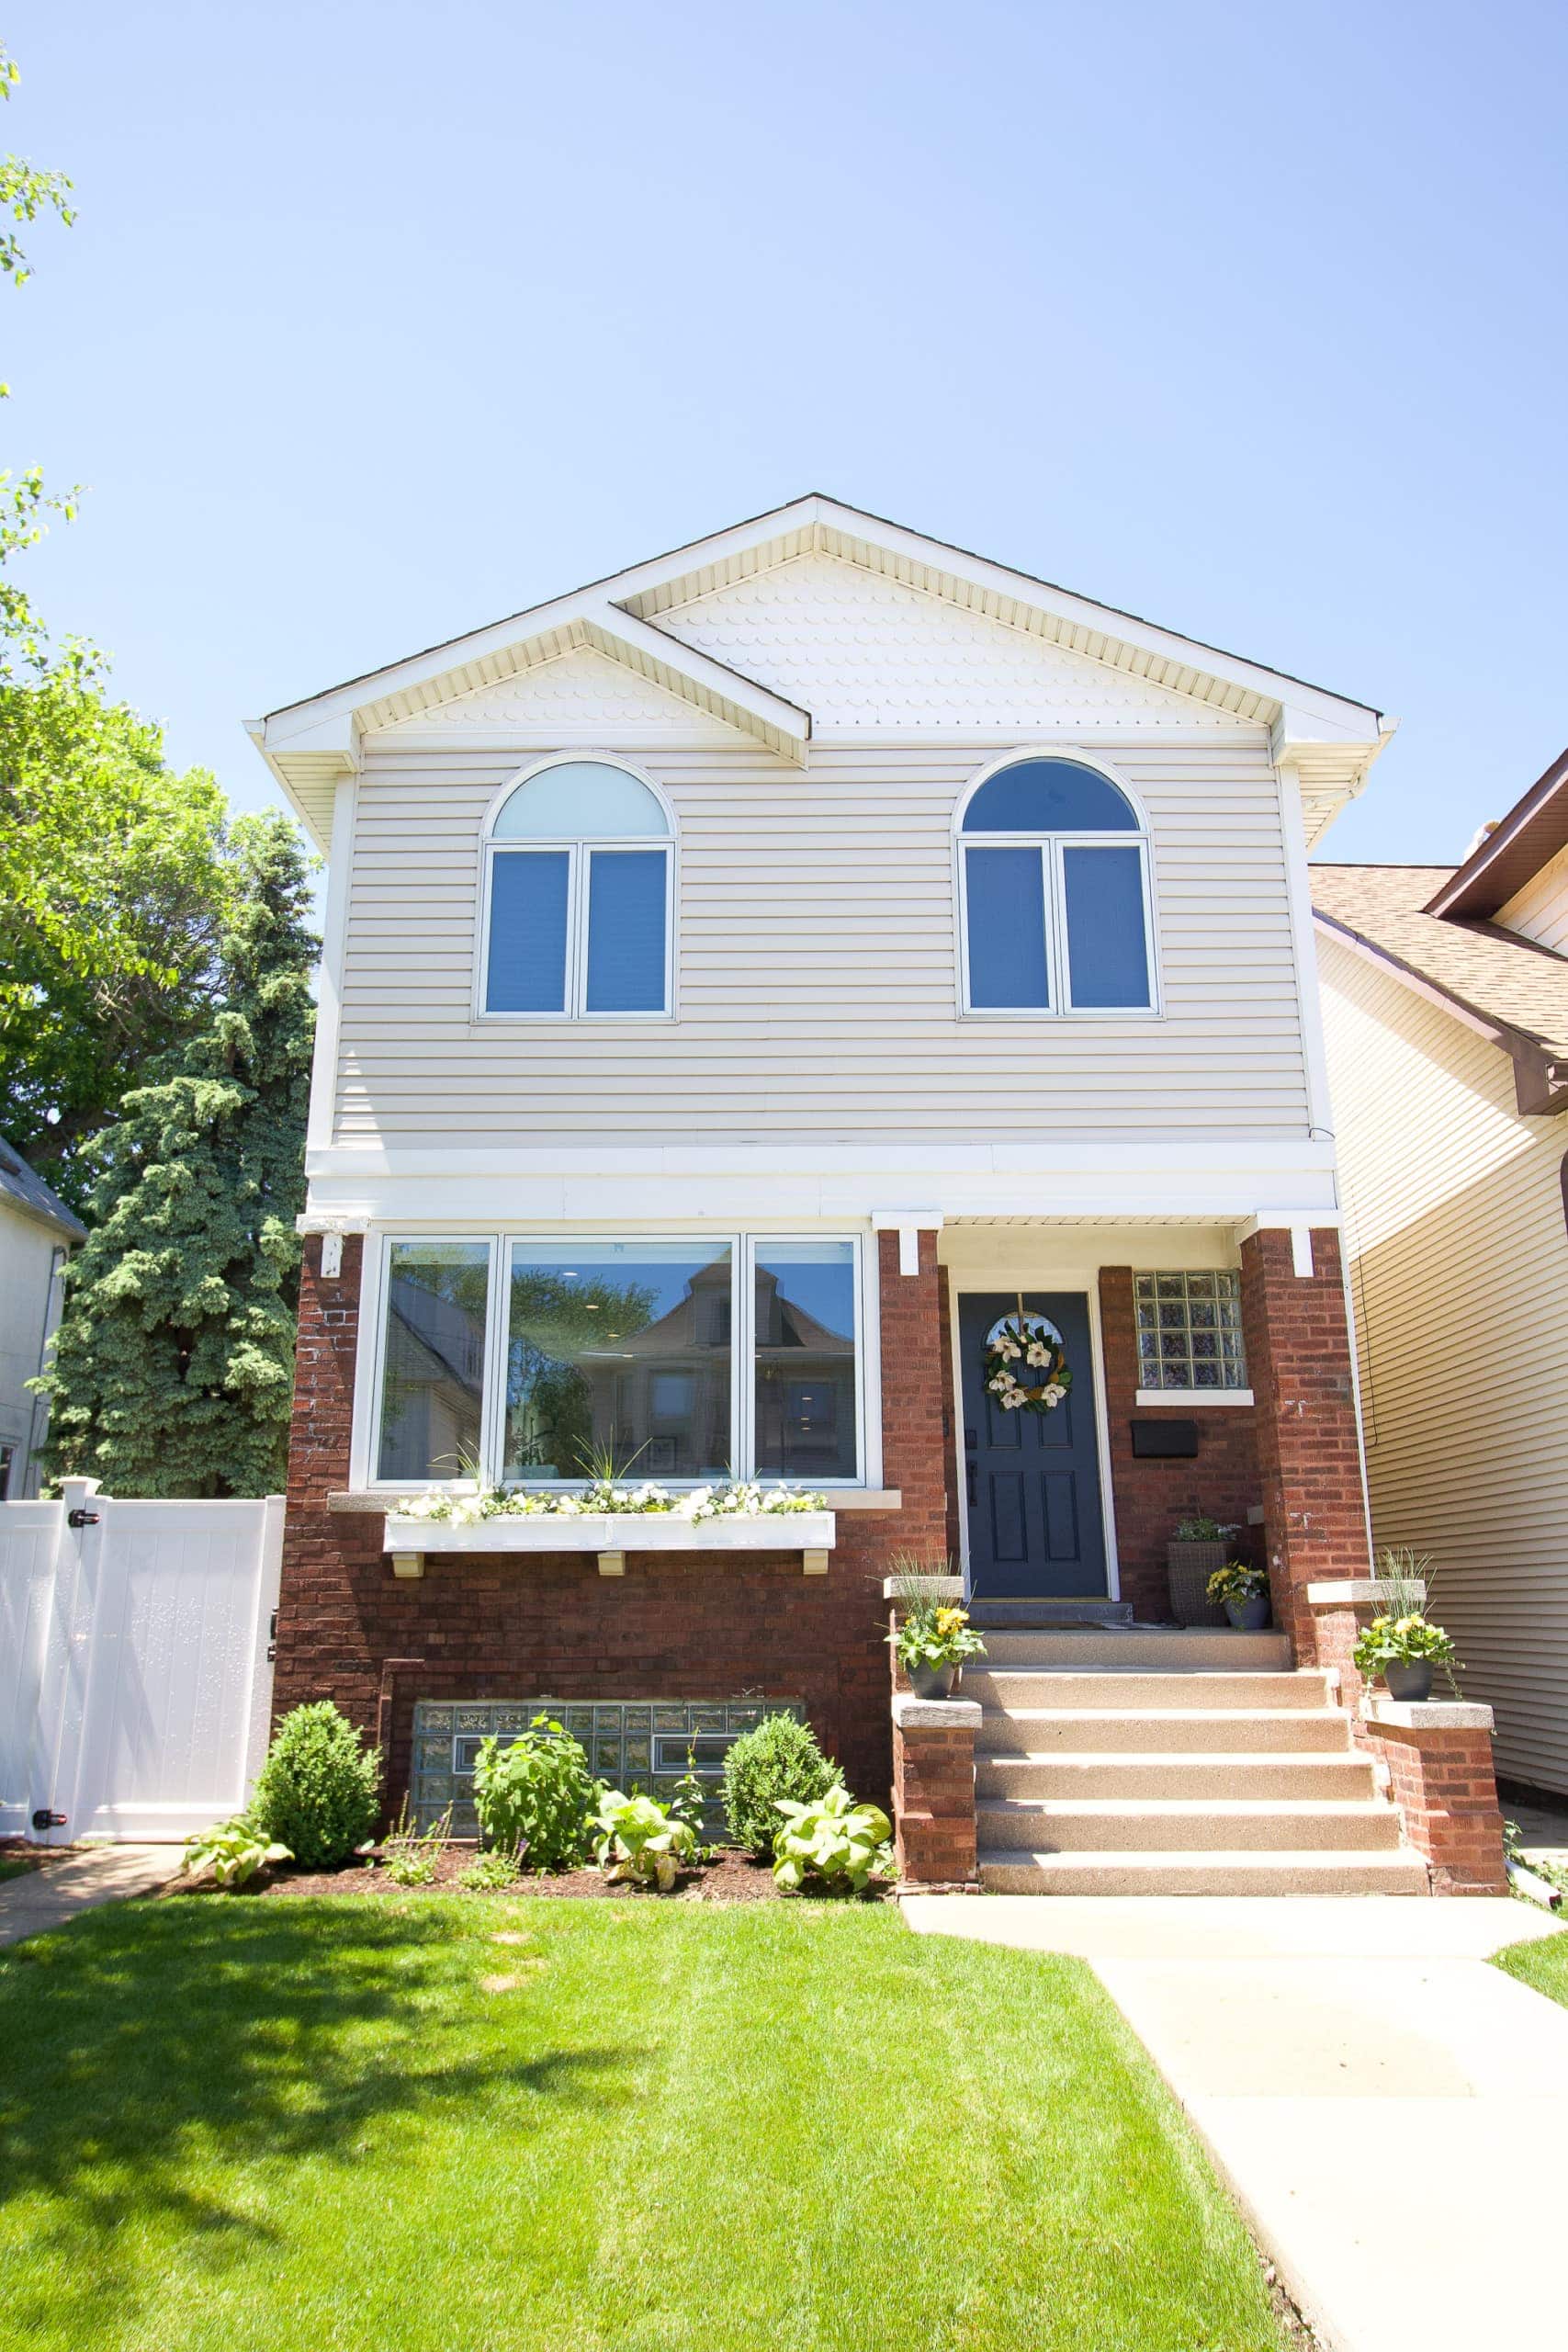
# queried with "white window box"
point(612, 1536)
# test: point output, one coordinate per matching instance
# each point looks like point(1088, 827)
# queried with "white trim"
point(1192, 1399)
point(578, 850)
point(908, 1228)
point(320, 1122)
point(1089, 1292)
point(1052, 846)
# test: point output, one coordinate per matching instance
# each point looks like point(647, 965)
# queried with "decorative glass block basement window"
point(1189, 1330)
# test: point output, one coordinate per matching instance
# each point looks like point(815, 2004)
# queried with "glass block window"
point(1189, 1330)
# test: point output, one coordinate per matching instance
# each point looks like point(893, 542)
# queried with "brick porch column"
point(933, 1790)
point(1439, 1760)
point(1298, 1355)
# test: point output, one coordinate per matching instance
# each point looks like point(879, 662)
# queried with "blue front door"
point(1036, 1528)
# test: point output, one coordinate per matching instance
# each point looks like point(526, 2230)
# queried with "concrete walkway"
point(1390, 2113)
point(39, 1900)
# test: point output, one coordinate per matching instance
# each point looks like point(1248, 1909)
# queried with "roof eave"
point(1495, 871)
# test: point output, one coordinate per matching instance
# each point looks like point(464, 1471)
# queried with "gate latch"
point(81, 1519)
point(44, 1819)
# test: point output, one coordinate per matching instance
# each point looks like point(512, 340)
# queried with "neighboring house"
point(38, 1233)
point(746, 979)
point(1446, 1009)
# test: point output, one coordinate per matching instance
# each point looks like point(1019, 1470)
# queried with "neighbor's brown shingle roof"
point(1517, 989)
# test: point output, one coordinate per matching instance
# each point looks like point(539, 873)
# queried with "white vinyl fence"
point(135, 1675)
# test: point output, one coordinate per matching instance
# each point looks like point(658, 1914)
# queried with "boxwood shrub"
point(320, 1791)
point(779, 1759)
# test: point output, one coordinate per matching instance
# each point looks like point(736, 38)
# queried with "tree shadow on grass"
point(149, 2041)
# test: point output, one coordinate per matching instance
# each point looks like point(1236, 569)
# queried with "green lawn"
point(1543, 1964)
point(457, 2125)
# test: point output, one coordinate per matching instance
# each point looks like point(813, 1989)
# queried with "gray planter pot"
point(1248, 1616)
point(1409, 1678)
point(931, 1682)
point(1189, 1567)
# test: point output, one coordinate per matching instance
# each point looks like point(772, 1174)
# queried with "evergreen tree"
point(174, 1365)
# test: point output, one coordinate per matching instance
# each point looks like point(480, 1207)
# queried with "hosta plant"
point(233, 1851)
point(779, 1758)
point(834, 1839)
point(533, 1796)
point(639, 1838)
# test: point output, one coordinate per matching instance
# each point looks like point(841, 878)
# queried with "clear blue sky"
point(380, 321)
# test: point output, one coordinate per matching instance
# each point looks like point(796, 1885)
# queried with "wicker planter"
point(1190, 1565)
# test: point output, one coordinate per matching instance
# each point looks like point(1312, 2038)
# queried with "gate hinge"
point(81, 1519)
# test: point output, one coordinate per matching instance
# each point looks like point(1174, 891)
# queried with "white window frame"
point(580, 850)
point(1051, 847)
point(743, 1246)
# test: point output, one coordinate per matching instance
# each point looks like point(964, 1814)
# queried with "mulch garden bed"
point(730, 1877)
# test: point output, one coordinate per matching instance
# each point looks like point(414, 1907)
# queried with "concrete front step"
point(1399, 1871)
point(1186, 1824)
point(1167, 1652)
point(1344, 1778)
point(1131, 1687)
point(1163, 1731)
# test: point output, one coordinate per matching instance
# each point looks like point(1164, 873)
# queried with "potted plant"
point(1407, 1651)
point(934, 1640)
point(1197, 1545)
point(1242, 1593)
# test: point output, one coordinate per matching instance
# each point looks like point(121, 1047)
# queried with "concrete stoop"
point(1146, 1762)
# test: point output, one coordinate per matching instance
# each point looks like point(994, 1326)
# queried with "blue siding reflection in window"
point(526, 972)
point(1048, 796)
point(1108, 959)
point(1006, 894)
point(625, 931)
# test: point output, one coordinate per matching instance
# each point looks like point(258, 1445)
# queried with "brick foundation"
point(1298, 1355)
point(1440, 1776)
point(1150, 1496)
point(679, 1627)
point(933, 1790)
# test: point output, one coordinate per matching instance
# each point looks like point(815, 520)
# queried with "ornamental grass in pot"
point(1242, 1591)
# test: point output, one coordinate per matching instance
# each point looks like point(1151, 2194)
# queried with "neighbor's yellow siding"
point(1459, 1282)
point(1540, 911)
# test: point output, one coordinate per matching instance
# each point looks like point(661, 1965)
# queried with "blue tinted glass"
point(527, 932)
point(625, 931)
point(1006, 893)
point(1048, 796)
point(1108, 958)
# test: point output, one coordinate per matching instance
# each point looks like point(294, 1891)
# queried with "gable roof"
point(1513, 853)
point(21, 1189)
point(1508, 989)
point(1329, 739)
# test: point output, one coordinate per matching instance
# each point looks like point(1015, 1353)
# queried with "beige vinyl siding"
point(817, 983)
point(1459, 1280)
point(1540, 911)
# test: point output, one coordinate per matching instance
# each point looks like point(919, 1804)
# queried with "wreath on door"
point(1026, 1363)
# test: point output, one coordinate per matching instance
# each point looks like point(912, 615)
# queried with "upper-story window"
point(1054, 886)
point(577, 892)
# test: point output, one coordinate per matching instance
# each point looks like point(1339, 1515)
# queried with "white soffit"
point(643, 620)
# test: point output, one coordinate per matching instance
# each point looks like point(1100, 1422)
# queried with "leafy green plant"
point(779, 1759)
point(1401, 1641)
point(689, 1803)
point(639, 1838)
point(233, 1851)
point(410, 1856)
point(1199, 1528)
point(832, 1838)
point(492, 1872)
point(936, 1633)
point(534, 1795)
point(320, 1791)
point(1237, 1581)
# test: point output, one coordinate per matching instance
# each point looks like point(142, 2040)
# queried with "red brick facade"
point(696, 1627)
point(1150, 1496)
point(1441, 1779)
point(933, 1798)
point(1298, 1352)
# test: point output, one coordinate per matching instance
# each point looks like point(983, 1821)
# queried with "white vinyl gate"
point(135, 1680)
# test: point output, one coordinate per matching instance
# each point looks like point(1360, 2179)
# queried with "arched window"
point(1054, 892)
point(577, 895)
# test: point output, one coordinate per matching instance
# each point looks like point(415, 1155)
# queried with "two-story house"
point(749, 980)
